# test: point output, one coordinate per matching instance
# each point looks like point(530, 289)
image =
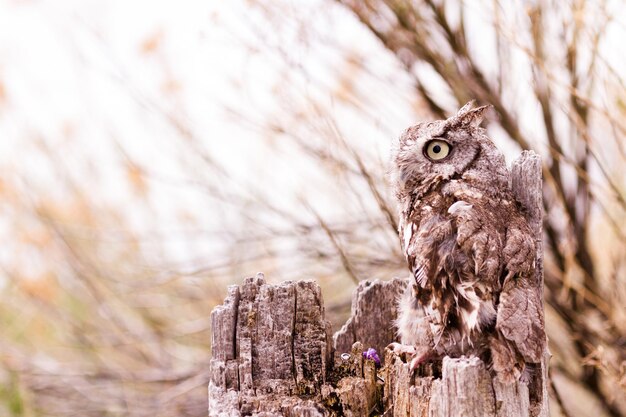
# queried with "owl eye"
point(437, 150)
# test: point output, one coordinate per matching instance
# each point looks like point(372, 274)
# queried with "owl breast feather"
point(455, 254)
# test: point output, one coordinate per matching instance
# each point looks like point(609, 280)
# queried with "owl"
point(471, 252)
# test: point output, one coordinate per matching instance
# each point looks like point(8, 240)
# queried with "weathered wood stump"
point(271, 349)
point(272, 353)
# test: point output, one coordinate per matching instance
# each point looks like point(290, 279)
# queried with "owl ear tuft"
point(466, 108)
point(472, 117)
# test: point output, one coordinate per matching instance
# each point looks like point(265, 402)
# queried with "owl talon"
point(417, 361)
point(401, 350)
point(408, 351)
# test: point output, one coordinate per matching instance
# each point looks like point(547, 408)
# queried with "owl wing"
point(520, 316)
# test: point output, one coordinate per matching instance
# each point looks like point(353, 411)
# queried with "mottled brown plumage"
point(469, 247)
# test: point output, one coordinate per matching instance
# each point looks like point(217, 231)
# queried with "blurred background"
point(152, 153)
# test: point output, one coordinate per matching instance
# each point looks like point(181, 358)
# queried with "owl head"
point(431, 153)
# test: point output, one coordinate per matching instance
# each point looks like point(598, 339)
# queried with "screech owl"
point(469, 248)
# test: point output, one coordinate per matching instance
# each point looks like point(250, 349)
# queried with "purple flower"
point(371, 354)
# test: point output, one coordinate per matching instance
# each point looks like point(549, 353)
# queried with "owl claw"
point(417, 361)
point(400, 349)
point(407, 351)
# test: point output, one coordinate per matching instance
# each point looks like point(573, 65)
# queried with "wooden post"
point(272, 353)
point(527, 184)
point(271, 350)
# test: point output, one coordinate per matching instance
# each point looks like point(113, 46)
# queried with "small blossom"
point(371, 354)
